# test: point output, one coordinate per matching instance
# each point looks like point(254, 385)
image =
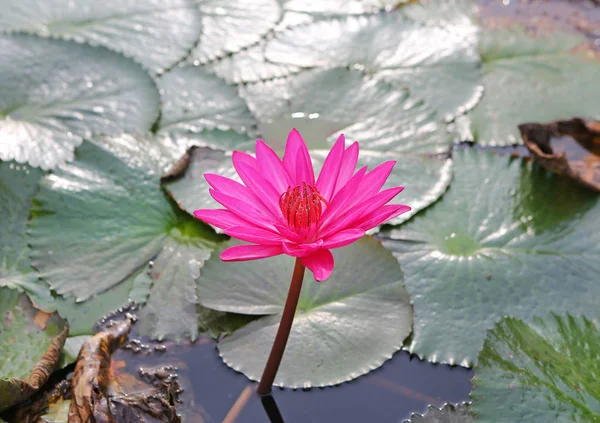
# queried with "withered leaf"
point(567, 147)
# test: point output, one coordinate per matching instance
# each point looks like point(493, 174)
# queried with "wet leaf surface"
point(508, 238)
point(570, 148)
point(546, 370)
point(30, 345)
point(41, 121)
point(332, 317)
point(156, 33)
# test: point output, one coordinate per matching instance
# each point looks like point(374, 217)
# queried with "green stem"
point(283, 332)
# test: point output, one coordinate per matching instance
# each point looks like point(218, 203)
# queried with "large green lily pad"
point(507, 238)
point(230, 25)
point(52, 99)
point(30, 345)
point(544, 371)
point(196, 102)
point(156, 33)
point(438, 61)
point(114, 219)
point(344, 327)
point(18, 185)
point(447, 414)
point(425, 179)
point(378, 114)
point(552, 83)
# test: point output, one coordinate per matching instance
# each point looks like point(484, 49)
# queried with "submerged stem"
point(283, 332)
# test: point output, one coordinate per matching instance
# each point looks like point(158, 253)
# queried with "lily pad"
point(156, 33)
point(508, 238)
point(30, 345)
point(195, 102)
point(230, 25)
point(447, 414)
point(540, 372)
point(438, 63)
point(552, 83)
point(52, 99)
point(115, 218)
point(362, 310)
point(425, 178)
point(18, 185)
point(375, 112)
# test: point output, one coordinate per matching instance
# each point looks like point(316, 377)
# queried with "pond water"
point(402, 386)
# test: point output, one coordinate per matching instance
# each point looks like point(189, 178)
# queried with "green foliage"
point(506, 239)
point(545, 370)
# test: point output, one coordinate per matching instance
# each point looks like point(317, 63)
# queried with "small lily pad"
point(52, 99)
point(507, 238)
point(30, 345)
point(553, 83)
point(114, 219)
point(156, 33)
point(447, 414)
point(539, 372)
point(362, 310)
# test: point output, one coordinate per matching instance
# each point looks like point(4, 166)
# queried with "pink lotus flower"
point(281, 209)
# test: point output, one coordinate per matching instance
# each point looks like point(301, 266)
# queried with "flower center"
point(301, 206)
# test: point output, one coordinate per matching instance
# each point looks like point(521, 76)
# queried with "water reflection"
point(270, 406)
point(402, 386)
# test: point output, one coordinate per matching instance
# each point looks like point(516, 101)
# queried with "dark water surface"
point(389, 394)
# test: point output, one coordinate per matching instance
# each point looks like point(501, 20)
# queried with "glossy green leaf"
point(447, 414)
point(30, 344)
point(195, 102)
point(544, 371)
point(156, 33)
point(18, 185)
point(425, 179)
point(551, 83)
point(376, 113)
point(344, 327)
point(51, 98)
point(507, 238)
point(230, 25)
point(115, 218)
point(438, 63)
